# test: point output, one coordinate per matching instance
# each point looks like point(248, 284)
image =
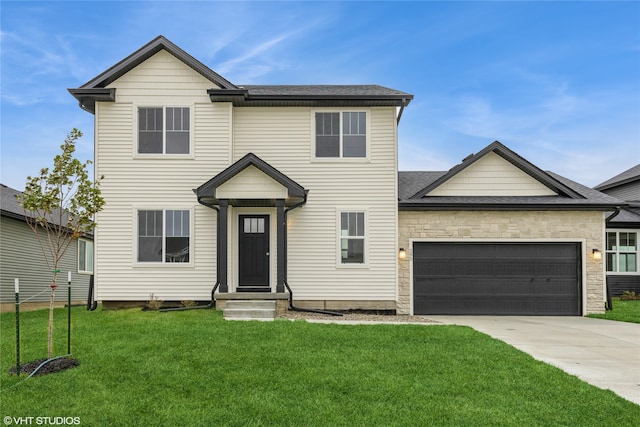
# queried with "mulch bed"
point(51, 367)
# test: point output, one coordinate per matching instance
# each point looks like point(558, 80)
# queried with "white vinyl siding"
point(156, 182)
point(251, 183)
point(285, 138)
point(492, 176)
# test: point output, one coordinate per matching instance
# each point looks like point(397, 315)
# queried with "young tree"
point(59, 206)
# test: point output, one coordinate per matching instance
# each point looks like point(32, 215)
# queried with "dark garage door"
point(497, 278)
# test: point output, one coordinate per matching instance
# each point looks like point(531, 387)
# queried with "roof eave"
point(416, 206)
point(617, 183)
point(243, 98)
point(87, 97)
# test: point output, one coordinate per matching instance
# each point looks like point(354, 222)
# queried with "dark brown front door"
point(253, 253)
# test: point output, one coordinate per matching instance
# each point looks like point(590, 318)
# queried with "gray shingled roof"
point(8, 204)
point(409, 183)
point(323, 90)
point(625, 177)
point(627, 217)
point(10, 207)
point(95, 90)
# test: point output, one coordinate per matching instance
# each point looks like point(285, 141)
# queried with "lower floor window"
point(622, 251)
point(163, 236)
point(352, 237)
point(85, 256)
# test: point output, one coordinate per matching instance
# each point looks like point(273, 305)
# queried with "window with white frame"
point(85, 256)
point(622, 251)
point(163, 130)
point(352, 237)
point(164, 236)
point(341, 134)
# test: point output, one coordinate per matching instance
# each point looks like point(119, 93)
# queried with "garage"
point(496, 278)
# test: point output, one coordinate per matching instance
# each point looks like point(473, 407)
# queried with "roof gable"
point(492, 175)
point(96, 90)
point(496, 171)
point(251, 183)
point(626, 177)
point(208, 192)
point(164, 76)
point(147, 51)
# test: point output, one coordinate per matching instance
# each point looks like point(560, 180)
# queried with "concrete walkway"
point(603, 353)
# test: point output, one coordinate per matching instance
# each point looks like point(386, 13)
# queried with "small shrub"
point(188, 303)
point(154, 303)
point(629, 296)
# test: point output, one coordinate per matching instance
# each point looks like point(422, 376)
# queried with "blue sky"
point(557, 82)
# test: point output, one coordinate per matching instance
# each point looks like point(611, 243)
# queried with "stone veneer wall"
point(587, 226)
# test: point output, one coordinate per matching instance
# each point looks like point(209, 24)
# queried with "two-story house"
point(253, 188)
point(248, 186)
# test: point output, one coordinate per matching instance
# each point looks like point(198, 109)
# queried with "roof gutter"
point(403, 206)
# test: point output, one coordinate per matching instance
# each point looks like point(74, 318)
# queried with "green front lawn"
point(623, 311)
point(194, 368)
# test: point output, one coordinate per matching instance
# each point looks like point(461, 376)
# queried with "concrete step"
point(250, 310)
point(251, 304)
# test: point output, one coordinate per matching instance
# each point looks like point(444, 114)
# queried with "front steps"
point(264, 310)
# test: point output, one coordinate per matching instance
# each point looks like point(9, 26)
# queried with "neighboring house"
point(623, 229)
point(21, 257)
point(253, 188)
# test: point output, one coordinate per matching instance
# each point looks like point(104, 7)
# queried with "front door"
point(253, 253)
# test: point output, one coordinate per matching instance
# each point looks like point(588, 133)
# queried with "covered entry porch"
point(252, 200)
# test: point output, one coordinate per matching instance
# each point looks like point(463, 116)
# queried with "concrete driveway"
point(603, 353)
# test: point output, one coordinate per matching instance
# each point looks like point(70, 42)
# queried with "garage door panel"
point(497, 278)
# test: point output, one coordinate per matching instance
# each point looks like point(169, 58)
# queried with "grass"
point(194, 368)
point(623, 311)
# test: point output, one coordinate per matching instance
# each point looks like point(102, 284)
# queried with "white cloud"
point(254, 62)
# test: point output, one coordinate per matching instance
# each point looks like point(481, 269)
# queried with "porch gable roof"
point(206, 193)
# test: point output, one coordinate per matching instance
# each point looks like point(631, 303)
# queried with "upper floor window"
point(163, 130)
point(341, 134)
point(163, 236)
point(622, 251)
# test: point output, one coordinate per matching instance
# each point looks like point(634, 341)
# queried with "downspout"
point(613, 215)
point(212, 303)
point(286, 283)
